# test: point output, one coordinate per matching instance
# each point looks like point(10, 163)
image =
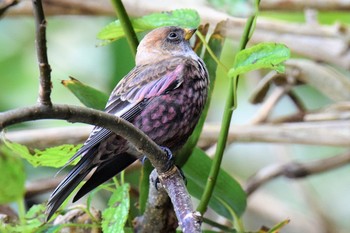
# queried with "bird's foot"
point(157, 183)
point(170, 158)
point(143, 159)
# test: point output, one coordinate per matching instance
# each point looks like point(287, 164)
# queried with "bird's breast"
point(169, 119)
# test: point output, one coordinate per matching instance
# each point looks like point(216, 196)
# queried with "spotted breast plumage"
point(163, 96)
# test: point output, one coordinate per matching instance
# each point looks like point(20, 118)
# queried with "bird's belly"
point(170, 119)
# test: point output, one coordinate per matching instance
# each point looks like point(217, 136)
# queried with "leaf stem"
point(212, 54)
point(126, 25)
point(231, 104)
point(21, 210)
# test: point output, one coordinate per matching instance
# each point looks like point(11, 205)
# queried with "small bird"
point(163, 95)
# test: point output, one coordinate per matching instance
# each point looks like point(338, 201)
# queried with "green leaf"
point(115, 216)
point(36, 216)
point(228, 197)
point(12, 176)
point(87, 95)
point(238, 8)
point(51, 157)
point(186, 18)
point(262, 55)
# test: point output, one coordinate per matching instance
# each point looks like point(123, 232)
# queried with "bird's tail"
point(66, 187)
point(104, 172)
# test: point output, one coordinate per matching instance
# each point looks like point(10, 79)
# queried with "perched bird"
point(163, 95)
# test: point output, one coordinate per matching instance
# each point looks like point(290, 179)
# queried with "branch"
point(6, 4)
point(315, 39)
point(173, 182)
point(44, 67)
point(118, 125)
point(159, 214)
point(141, 141)
point(297, 5)
point(295, 170)
point(327, 133)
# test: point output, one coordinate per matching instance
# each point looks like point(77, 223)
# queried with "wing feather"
point(134, 92)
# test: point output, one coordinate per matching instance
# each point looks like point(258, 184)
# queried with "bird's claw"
point(170, 162)
point(143, 159)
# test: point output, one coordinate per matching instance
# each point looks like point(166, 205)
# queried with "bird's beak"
point(189, 33)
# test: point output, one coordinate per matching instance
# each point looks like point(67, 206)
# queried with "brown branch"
point(295, 170)
point(42, 186)
point(94, 117)
point(327, 133)
point(267, 107)
point(331, 133)
point(142, 143)
point(172, 181)
point(300, 5)
point(159, 215)
point(44, 66)
point(6, 4)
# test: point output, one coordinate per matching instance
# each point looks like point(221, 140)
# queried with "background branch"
point(317, 39)
point(295, 170)
point(40, 42)
point(331, 133)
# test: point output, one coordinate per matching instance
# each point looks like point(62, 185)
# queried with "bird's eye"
point(172, 36)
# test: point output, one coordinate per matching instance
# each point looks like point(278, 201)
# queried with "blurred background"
point(318, 203)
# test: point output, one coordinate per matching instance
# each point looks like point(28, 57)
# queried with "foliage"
point(184, 18)
point(50, 157)
point(115, 216)
point(12, 176)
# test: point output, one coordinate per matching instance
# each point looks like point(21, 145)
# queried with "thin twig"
point(6, 4)
point(44, 66)
point(295, 170)
point(267, 107)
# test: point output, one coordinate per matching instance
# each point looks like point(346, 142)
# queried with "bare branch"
point(173, 183)
point(44, 66)
point(42, 186)
point(299, 5)
point(159, 215)
point(267, 107)
point(316, 39)
point(295, 170)
point(118, 125)
point(142, 143)
point(331, 133)
point(6, 4)
point(327, 133)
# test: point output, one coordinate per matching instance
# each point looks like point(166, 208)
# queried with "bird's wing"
point(134, 92)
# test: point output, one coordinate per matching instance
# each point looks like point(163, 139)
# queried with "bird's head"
point(164, 42)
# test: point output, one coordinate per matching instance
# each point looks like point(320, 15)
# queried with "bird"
point(163, 95)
